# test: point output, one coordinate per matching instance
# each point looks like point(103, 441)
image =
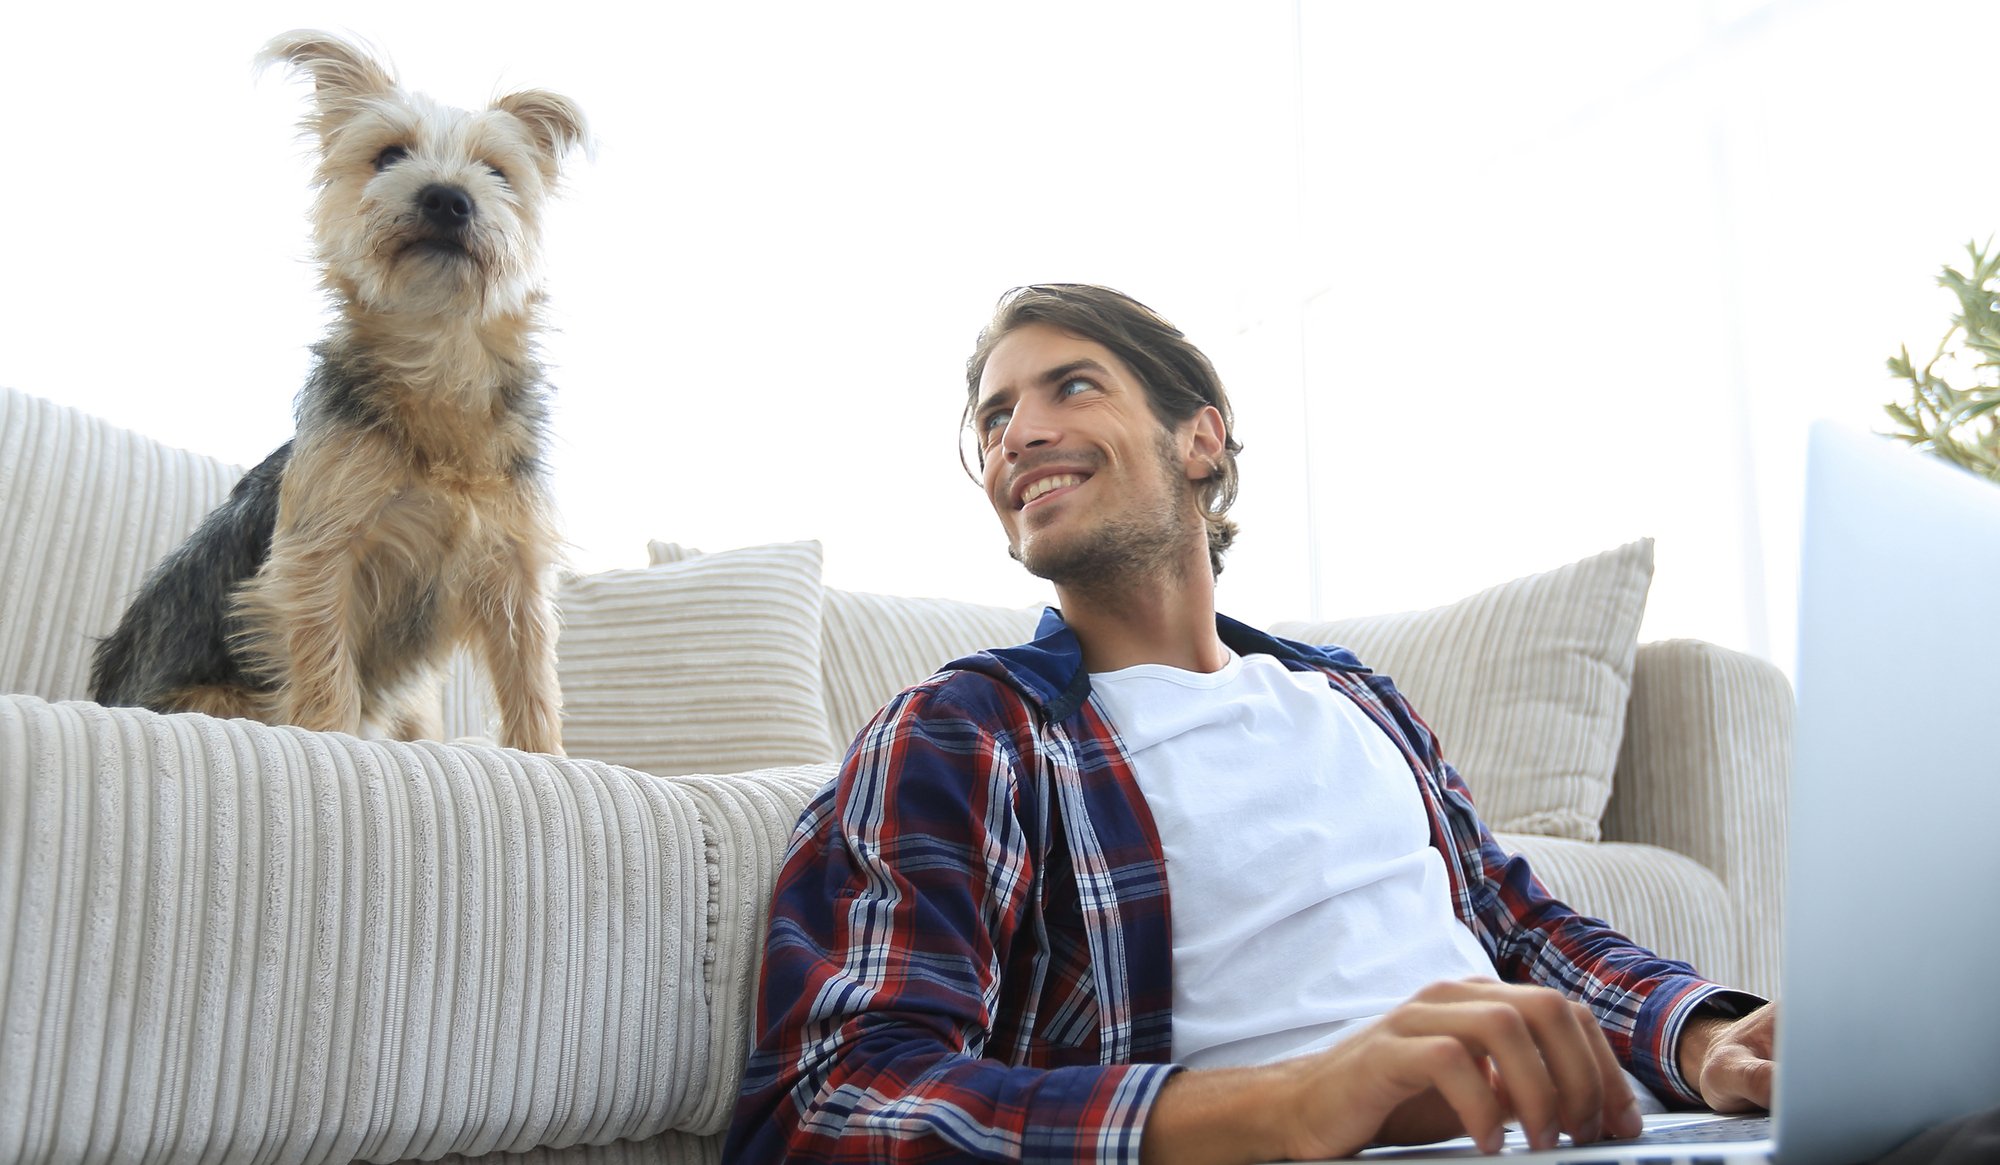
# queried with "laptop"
point(1890, 997)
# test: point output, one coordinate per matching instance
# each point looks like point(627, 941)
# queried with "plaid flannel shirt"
point(969, 953)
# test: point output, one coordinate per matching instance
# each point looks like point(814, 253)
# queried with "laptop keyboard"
point(1679, 1141)
point(1735, 1128)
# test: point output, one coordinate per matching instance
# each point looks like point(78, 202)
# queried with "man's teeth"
point(1058, 481)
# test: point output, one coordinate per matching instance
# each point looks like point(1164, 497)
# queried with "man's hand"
point(1731, 1061)
point(1457, 1058)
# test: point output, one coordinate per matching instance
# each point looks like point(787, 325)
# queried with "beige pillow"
point(1525, 684)
point(711, 665)
point(877, 645)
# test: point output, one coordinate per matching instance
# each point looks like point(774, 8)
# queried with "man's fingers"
point(1743, 1081)
point(1758, 1031)
point(1496, 1031)
point(1430, 1087)
point(1459, 1079)
point(1550, 1063)
point(1569, 1039)
point(1591, 1095)
point(1737, 1072)
point(1621, 1107)
point(1760, 1079)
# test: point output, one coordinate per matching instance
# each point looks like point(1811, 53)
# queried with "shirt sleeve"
point(904, 887)
point(1642, 1000)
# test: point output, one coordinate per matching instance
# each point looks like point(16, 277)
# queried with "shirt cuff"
point(1093, 1114)
point(1709, 999)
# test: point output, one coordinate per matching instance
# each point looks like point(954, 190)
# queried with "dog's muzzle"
point(447, 209)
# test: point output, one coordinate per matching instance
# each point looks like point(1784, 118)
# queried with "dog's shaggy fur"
point(410, 511)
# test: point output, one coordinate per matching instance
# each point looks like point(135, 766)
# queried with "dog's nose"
point(446, 206)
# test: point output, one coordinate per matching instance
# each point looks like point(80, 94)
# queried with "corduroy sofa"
point(223, 941)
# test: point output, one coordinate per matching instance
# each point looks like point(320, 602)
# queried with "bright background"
point(1494, 286)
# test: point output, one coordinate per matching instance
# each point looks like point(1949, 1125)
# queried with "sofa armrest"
point(1704, 770)
point(227, 940)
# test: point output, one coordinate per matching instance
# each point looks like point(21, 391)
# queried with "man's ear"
point(1203, 443)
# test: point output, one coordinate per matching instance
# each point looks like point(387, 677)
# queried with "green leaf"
point(1959, 424)
point(1974, 409)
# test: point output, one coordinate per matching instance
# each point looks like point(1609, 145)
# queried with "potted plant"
point(1958, 423)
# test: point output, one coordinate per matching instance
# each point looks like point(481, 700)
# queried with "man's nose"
point(1029, 426)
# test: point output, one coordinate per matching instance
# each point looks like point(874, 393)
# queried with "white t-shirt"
point(1306, 896)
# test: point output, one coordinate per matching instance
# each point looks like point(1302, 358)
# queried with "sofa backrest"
point(86, 509)
point(1528, 681)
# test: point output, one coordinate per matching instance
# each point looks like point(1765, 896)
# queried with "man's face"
point(1088, 484)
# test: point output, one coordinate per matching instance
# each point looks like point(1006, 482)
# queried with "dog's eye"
point(389, 156)
point(496, 171)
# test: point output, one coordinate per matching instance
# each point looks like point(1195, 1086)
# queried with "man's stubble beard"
point(1125, 552)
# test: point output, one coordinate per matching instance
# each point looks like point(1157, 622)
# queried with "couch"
point(225, 941)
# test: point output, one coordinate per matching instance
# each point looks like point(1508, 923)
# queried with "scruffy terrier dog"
point(410, 512)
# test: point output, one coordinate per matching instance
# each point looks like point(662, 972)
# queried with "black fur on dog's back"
point(176, 632)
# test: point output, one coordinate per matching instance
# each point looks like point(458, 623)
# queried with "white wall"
point(1587, 271)
point(1527, 281)
point(766, 282)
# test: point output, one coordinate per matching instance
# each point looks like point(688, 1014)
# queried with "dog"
point(410, 511)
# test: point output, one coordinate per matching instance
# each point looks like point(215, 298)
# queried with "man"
point(1159, 887)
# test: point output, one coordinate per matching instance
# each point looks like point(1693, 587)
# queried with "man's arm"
point(1642, 1000)
point(903, 894)
point(1460, 1057)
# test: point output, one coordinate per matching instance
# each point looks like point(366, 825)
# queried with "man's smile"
point(1042, 481)
point(1042, 487)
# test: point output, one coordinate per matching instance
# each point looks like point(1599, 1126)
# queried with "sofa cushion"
point(1525, 684)
point(876, 645)
point(709, 665)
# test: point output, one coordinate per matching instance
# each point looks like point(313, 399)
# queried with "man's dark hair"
point(1178, 379)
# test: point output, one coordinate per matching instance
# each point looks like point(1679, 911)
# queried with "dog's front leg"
point(301, 606)
point(517, 635)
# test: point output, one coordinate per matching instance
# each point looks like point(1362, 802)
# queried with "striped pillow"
point(710, 665)
point(1525, 684)
point(877, 645)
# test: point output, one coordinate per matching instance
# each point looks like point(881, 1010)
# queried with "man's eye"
point(1073, 385)
point(991, 426)
point(389, 156)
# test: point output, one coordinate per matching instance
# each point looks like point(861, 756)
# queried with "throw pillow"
point(710, 665)
point(876, 645)
point(1526, 684)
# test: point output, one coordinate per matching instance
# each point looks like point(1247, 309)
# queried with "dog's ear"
point(343, 74)
point(554, 121)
